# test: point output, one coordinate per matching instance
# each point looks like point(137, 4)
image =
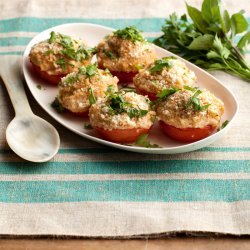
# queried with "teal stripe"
point(11, 53)
point(34, 24)
point(131, 167)
point(128, 190)
point(113, 150)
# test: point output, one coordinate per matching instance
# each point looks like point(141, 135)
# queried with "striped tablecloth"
point(91, 190)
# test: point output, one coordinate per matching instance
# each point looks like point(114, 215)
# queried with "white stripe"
point(18, 34)
point(131, 219)
point(108, 177)
point(128, 156)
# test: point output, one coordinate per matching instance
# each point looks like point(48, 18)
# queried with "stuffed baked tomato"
point(78, 90)
point(190, 115)
point(165, 73)
point(58, 56)
point(121, 117)
point(124, 52)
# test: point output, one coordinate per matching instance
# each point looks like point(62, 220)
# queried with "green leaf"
point(52, 37)
point(92, 99)
point(130, 33)
point(224, 124)
point(210, 11)
point(239, 23)
point(244, 41)
point(212, 54)
point(87, 126)
point(143, 141)
point(226, 21)
point(197, 18)
point(167, 92)
point(57, 105)
point(162, 63)
point(204, 42)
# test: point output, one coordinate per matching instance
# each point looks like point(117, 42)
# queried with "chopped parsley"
point(186, 87)
point(130, 33)
point(61, 62)
point(92, 98)
point(163, 95)
point(127, 89)
point(87, 126)
point(143, 141)
point(109, 54)
point(194, 102)
point(223, 125)
point(39, 86)
point(117, 105)
point(57, 105)
point(68, 50)
point(164, 62)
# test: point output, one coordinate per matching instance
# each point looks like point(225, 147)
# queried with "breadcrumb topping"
point(175, 75)
point(74, 89)
point(177, 112)
point(100, 114)
point(124, 55)
point(52, 56)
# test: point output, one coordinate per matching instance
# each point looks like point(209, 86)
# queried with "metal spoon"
point(28, 135)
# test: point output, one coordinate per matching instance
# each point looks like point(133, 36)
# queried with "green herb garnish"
point(92, 99)
point(194, 102)
point(57, 105)
point(143, 141)
point(52, 37)
point(88, 126)
point(127, 89)
point(224, 124)
point(130, 33)
point(61, 62)
point(68, 50)
point(39, 86)
point(190, 88)
point(117, 105)
point(163, 95)
point(164, 62)
point(209, 39)
point(109, 54)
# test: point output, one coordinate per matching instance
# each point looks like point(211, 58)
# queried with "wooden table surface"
point(223, 243)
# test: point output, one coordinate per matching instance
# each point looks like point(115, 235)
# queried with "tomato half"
point(124, 77)
point(122, 135)
point(151, 96)
point(52, 79)
point(186, 134)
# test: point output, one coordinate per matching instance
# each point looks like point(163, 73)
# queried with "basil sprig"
point(209, 38)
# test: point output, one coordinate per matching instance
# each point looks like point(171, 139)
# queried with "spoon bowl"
point(28, 135)
point(32, 138)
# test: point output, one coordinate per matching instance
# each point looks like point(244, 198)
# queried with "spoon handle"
point(10, 71)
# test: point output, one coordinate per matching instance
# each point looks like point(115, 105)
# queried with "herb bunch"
point(209, 38)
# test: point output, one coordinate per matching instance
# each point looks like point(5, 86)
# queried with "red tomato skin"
point(151, 96)
point(52, 79)
point(122, 135)
point(124, 77)
point(186, 134)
